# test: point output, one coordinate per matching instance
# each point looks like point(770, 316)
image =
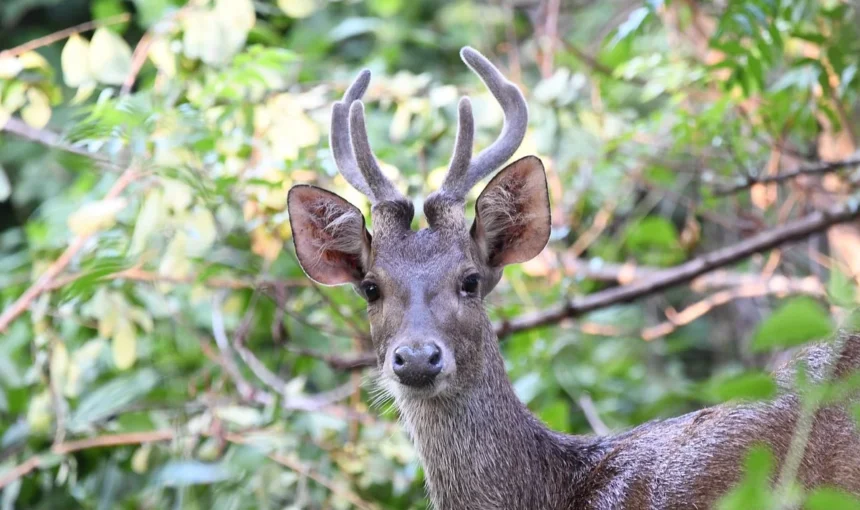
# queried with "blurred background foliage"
point(171, 353)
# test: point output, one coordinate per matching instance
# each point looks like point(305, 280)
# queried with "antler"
point(464, 171)
point(351, 149)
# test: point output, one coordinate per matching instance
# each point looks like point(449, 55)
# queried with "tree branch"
point(798, 229)
point(271, 380)
point(44, 282)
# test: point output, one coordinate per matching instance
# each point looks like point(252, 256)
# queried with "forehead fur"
point(429, 249)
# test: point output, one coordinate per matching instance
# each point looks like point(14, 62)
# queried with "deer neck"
point(484, 449)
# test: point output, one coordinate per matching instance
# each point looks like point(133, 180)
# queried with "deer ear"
point(512, 218)
point(332, 243)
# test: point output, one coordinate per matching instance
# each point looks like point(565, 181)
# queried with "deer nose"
point(417, 365)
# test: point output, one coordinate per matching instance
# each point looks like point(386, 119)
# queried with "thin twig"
point(339, 362)
point(822, 168)
point(592, 416)
point(271, 380)
point(137, 274)
point(52, 140)
point(44, 282)
point(138, 58)
point(154, 436)
point(599, 68)
point(62, 34)
point(219, 331)
point(141, 51)
point(298, 467)
point(778, 285)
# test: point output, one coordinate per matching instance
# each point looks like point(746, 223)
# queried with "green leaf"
point(556, 415)
point(749, 386)
point(385, 8)
point(841, 289)
point(826, 498)
point(654, 240)
point(796, 322)
point(633, 22)
point(754, 490)
point(186, 473)
point(103, 9)
point(111, 398)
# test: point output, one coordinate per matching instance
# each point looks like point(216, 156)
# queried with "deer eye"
point(370, 291)
point(470, 283)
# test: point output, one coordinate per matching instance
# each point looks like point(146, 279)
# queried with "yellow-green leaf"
point(10, 67)
point(236, 14)
point(163, 57)
point(140, 459)
point(59, 363)
point(75, 61)
point(124, 345)
point(5, 185)
point(83, 93)
point(95, 216)
point(200, 225)
point(37, 113)
point(175, 263)
point(32, 60)
point(297, 8)
point(148, 221)
point(39, 413)
point(109, 56)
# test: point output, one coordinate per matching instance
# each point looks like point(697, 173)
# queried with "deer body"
point(496, 455)
point(439, 357)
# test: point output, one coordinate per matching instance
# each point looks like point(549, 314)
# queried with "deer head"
point(425, 289)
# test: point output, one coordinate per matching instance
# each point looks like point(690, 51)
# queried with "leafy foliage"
point(182, 360)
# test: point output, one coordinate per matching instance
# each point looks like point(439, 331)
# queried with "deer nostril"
point(436, 357)
point(398, 360)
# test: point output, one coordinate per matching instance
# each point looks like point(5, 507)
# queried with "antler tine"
point(516, 118)
point(455, 184)
point(381, 188)
point(339, 140)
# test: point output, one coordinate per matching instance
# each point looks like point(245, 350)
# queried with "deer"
point(439, 357)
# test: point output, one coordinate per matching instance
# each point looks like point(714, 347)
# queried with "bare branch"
point(62, 34)
point(798, 229)
point(52, 140)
